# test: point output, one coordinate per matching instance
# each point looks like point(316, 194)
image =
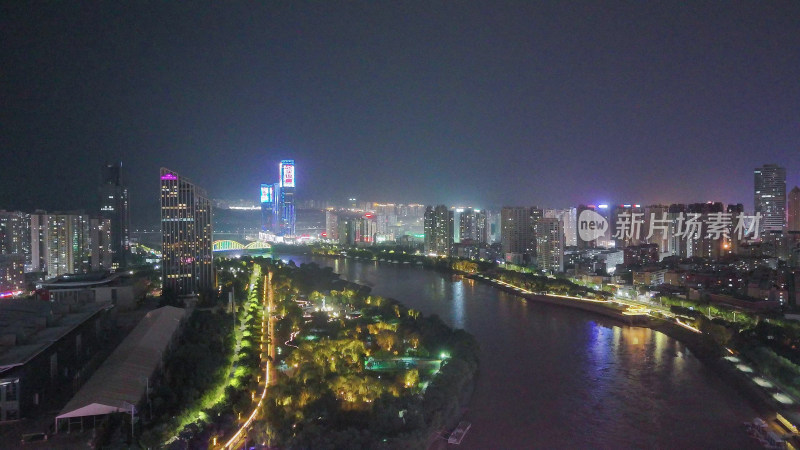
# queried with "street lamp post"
point(133, 411)
point(147, 395)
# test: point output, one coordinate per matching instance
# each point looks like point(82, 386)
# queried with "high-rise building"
point(550, 244)
point(582, 244)
point(655, 221)
point(518, 233)
point(351, 228)
point(493, 226)
point(676, 245)
point(187, 265)
point(38, 240)
point(794, 210)
point(770, 196)
point(569, 220)
point(472, 225)
point(12, 274)
point(704, 245)
point(15, 234)
point(284, 216)
point(626, 220)
point(332, 225)
point(61, 243)
point(439, 226)
point(114, 207)
point(267, 204)
point(101, 243)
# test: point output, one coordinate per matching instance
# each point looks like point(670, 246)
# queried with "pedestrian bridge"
point(229, 245)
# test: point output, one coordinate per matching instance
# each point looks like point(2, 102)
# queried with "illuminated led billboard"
point(287, 173)
point(266, 193)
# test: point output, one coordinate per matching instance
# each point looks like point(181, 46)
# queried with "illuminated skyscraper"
point(794, 210)
point(550, 244)
point(284, 209)
point(438, 230)
point(101, 243)
point(569, 219)
point(114, 207)
point(61, 243)
point(187, 264)
point(518, 233)
point(15, 234)
point(472, 226)
point(770, 196)
point(267, 206)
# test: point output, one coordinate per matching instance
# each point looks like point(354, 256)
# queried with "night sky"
point(551, 104)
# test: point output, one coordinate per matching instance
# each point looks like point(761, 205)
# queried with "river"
point(555, 377)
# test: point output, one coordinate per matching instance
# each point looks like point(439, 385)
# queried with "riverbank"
point(700, 345)
point(359, 370)
point(603, 308)
point(712, 355)
point(543, 369)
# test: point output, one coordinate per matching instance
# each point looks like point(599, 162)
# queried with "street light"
point(147, 395)
point(133, 411)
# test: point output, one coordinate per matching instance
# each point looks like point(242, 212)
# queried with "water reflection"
point(554, 377)
point(458, 304)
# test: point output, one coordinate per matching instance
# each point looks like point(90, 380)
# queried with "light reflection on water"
point(458, 304)
point(554, 377)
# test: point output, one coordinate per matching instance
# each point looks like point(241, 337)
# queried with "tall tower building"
point(770, 196)
point(569, 220)
point(114, 207)
point(472, 225)
point(332, 225)
point(15, 250)
point(704, 246)
point(794, 210)
point(61, 243)
point(15, 234)
point(550, 244)
point(100, 231)
point(654, 217)
point(581, 243)
point(731, 245)
point(518, 233)
point(439, 225)
point(187, 263)
point(267, 207)
point(284, 215)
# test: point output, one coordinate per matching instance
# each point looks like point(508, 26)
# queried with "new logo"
point(591, 225)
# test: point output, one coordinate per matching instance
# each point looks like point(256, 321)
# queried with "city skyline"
point(400, 224)
point(505, 104)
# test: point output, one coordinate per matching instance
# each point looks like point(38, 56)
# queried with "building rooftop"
point(29, 326)
point(121, 381)
point(82, 280)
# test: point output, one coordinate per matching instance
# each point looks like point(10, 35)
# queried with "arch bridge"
point(229, 245)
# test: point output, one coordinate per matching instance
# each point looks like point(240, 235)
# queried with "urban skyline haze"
point(456, 103)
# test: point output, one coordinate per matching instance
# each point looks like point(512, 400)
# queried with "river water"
point(555, 377)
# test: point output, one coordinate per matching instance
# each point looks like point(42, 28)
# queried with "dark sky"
point(458, 102)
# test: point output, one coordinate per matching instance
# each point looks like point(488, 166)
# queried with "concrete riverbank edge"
point(597, 308)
